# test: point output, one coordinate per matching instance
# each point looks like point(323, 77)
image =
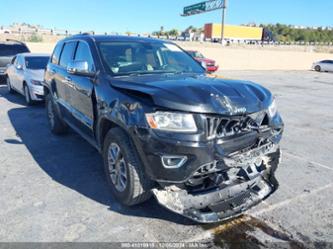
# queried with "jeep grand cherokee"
point(206, 148)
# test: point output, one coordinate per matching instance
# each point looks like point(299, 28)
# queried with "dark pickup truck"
point(206, 148)
point(8, 50)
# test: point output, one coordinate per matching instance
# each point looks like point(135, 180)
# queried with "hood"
point(198, 93)
point(35, 74)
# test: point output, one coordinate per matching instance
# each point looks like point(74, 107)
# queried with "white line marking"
point(288, 201)
point(312, 162)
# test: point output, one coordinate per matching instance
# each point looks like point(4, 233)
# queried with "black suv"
point(8, 50)
point(205, 147)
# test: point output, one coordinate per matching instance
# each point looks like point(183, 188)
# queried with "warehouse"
point(233, 33)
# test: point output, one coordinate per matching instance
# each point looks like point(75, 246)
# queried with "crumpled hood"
point(198, 93)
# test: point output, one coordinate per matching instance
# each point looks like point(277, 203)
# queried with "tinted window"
point(36, 63)
point(56, 53)
point(12, 49)
point(67, 53)
point(83, 54)
point(124, 58)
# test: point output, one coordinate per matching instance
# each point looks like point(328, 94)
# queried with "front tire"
point(27, 95)
point(318, 68)
point(9, 86)
point(124, 170)
point(57, 125)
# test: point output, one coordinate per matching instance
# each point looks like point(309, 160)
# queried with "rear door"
point(81, 92)
point(330, 67)
point(62, 80)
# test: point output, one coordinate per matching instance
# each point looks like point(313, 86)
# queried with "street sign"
point(203, 7)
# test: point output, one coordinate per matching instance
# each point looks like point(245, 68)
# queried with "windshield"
point(36, 63)
point(12, 50)
point(196, 54)
point(127, 58)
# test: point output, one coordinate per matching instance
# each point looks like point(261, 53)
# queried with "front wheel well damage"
point(104, 127)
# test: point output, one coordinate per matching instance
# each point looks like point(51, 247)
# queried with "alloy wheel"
point(117, 167)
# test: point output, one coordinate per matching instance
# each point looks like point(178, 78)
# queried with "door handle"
point(68, 79)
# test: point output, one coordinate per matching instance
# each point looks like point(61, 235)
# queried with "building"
point(233, 33)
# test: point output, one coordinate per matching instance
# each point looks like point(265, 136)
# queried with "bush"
point(35, 38)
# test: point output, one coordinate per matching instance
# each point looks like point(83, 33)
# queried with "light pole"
point(223, 17)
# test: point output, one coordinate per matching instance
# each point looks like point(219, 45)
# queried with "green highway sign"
point(195, 8)
point(203, 7)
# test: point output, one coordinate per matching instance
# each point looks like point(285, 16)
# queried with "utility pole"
point(223, 17)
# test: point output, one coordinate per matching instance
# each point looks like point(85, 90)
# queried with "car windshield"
point(12, 49)
point(196, 54)
point(134, 57)
point(36, 62)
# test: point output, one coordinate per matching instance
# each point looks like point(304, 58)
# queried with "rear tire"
point(124, 170)
point(27, 96)
point(318, 68)
point(9, 86)
point(57, 125)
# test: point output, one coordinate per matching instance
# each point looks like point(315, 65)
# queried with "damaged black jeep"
point(206, 148)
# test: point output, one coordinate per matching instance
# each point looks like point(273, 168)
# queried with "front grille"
point(219, 127)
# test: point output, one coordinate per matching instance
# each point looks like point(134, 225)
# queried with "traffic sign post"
point(207, 6)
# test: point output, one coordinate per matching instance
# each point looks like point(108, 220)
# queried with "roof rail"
point(13, 40)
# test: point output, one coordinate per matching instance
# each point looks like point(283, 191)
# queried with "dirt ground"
point(246, 58)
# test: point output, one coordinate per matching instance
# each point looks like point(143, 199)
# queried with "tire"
point(137, 186)
point(318, 68)
point(27, 96)
point(56, 124)
point(9, 86)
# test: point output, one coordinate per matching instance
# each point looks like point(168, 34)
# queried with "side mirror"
point(79, 68)
point(19, 67)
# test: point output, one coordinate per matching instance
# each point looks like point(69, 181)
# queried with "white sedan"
point(25, 75)
point(323, 66)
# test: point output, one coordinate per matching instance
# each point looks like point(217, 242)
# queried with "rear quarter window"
point(56, 53)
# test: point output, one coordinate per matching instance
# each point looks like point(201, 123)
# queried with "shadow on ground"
point(70, 160)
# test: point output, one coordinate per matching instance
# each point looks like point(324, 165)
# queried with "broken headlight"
point(272, 109)
point(171, 121)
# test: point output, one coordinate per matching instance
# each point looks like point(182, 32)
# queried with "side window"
point(83, 54)
point(56, 54)
point(67, 54)
point(20, 60)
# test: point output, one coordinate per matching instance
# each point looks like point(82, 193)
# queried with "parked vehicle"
point(209, 64)
point(8, 49)
point(206, 148)
point(25, 75)
point(323, 66)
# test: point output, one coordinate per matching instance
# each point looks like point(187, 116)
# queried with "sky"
point(149, 15)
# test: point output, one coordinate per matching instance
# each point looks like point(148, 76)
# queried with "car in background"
point(8, 49)
point(323, 66)
point(209, 64)
point(25, 75)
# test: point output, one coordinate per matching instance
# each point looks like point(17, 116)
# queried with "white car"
point(323, 66)
point(25, 75)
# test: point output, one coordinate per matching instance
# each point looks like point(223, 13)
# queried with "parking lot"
point(53, 188)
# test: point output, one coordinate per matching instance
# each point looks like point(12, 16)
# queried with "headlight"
point(36, 82)
point(170, 121)
point(272, 109)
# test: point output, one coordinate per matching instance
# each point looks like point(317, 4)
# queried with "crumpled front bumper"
point(223, 202)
